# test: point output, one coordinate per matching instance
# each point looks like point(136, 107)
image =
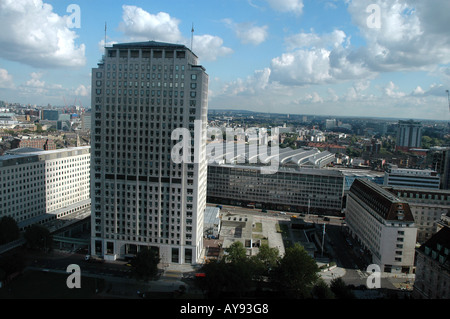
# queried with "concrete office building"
point(409, 135)
point(427, 207)
point(383, 224)
point(445, 170)
point(405, 177)
point(38, 186)
point(141, 93)
point(433, 267)
point(50, 115)
point(301, 190)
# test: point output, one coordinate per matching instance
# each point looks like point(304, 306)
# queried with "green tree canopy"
point(340, 289)
point(146, 264)
point(236, 252)
point(266, 260)
point(223, 277)
point(322, 291)
point(9, 230)
point(38, 237)
point(296, 273)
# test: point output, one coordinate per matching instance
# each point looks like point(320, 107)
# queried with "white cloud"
point(412, 35)
point(314, 97)
point(391, 90)
point(6, 79)
point(434, 90)
point(101, 44)
point(318, 59)
point(248, 32)
point(35, 80)
point(407, 40)
point(302, 67)
point(82, 90)
point(332, 96)
point(361, 85)
point(418, 91)
point(295, 6)
point(140, 25)
point(209, 47)
point(308, 40)
point(33, 34)
point(254, 84)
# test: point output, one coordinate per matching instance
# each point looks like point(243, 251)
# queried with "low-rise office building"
point(383, 224)
point(301, 190)
point(427, 207)
point(417, 178)
point(38, 186)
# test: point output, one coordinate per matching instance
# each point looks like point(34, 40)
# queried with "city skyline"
point(292, 56)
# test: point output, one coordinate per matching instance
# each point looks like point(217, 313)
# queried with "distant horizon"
point(331, 116)
point(269, 113)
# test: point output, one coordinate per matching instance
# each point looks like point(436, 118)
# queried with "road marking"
point(362, 274)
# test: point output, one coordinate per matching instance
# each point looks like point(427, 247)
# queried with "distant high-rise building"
point(142, 198)
point(409, 135)
point(50, 115)
point(86, 119)
point(330, 123)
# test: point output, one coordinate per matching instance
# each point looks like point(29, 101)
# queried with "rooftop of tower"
point(147, 44)
point(151, 44)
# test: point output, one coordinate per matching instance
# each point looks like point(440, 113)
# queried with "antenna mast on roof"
point(105, 34)
point(192, 35)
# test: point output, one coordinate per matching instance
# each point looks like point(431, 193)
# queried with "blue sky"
point(319, 57)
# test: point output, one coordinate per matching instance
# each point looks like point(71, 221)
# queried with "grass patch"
point(47, 285)
point(257, 228)
point(262, 238)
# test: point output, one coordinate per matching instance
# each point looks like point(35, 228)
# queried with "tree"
point(340, 289)
point(236, 252)
point(296, 273)
point(215, 278)
point(9, 230)
point(266, 260)
point(146, 264)
point(322, 291)
point(38, 237)
point(234, 277)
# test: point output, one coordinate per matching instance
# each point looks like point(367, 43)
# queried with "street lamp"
point(323, 237)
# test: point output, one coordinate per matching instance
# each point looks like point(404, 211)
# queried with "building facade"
point(405, 177)
point(409, 135)
point(383, 224)
point(302, 190)
point(433, 267)
point(38, 186)
point(42, 143)
point(141, 93)
point(427, 207)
